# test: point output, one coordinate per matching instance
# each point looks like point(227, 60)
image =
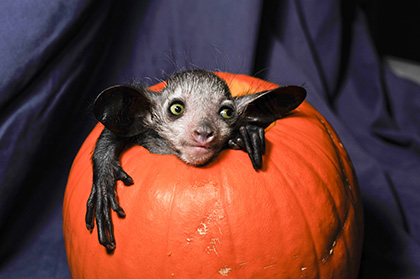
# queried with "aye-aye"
point(194, 117)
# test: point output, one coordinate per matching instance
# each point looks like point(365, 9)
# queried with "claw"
point(110, 247)
point(235, 143)
point(89, 227)
point(116, 207)
point(124, 177)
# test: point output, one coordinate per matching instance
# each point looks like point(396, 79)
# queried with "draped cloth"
point(56, 56)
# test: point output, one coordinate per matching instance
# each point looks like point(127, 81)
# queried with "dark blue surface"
point(55, 56)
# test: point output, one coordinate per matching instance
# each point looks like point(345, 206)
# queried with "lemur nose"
point(203, 134)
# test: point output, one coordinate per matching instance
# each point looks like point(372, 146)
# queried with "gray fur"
point(203, 94)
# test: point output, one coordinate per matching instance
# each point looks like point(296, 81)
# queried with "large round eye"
point(176, 109)
point(226, 113)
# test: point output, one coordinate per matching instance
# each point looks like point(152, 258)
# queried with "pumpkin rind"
point(301, 215)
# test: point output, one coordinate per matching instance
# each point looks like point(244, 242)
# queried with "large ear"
point(263, 108)
point(123, 109)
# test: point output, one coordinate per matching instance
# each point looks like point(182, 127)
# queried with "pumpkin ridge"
point(344, 176)
point(339, 227)
point(222, 194)
point(306, 221)
point(270, 192)
point(346, 184)
point(166, 250)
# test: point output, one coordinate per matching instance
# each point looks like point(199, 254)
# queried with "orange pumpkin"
point(300, 216)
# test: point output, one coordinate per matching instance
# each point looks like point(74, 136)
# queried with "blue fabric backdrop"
point(55, 56)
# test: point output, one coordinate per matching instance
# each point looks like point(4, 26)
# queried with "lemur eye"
point(176, 109)
point(226, 113)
